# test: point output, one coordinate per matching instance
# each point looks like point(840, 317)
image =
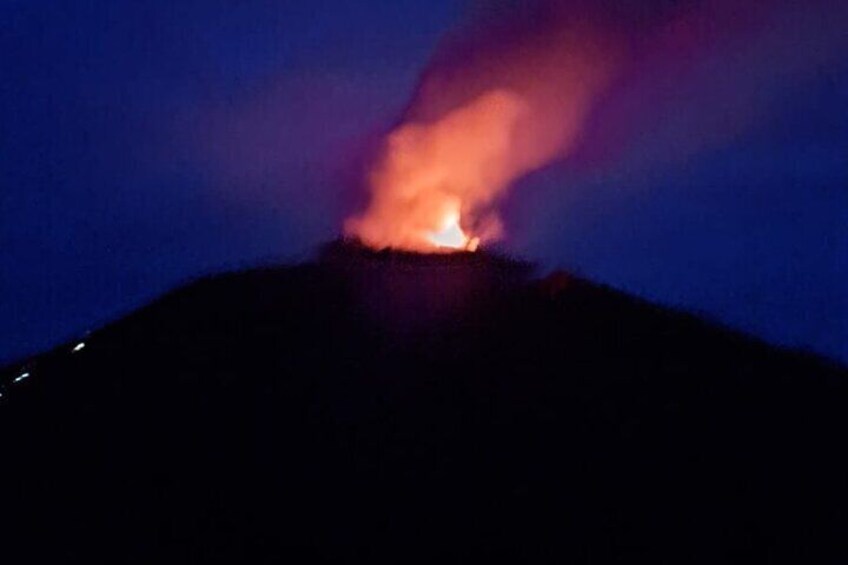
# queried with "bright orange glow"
point(451, 236)
point(433, 179)
point(439, 176)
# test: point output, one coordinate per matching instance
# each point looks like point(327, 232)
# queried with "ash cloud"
point(606, 88)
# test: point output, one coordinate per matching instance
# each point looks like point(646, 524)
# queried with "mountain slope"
point(387, 407)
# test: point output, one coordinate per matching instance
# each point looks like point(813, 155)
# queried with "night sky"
point(146, 143)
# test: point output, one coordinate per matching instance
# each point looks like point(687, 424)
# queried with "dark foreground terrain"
point(389, 408)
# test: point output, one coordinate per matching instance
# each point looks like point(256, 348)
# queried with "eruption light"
point(452, 237)
point(473, 128)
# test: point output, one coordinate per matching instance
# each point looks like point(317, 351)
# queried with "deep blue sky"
point(144, 143)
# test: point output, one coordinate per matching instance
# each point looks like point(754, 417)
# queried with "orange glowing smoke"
point(469, 134)
point(433, 178)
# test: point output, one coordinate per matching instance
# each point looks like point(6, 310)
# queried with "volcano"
point(395, 407)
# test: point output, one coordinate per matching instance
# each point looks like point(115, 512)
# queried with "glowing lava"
point(451, 236)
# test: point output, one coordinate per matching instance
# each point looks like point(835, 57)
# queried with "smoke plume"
point(522, 84)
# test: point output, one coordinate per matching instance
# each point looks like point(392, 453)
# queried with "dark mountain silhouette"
point(383, 407)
